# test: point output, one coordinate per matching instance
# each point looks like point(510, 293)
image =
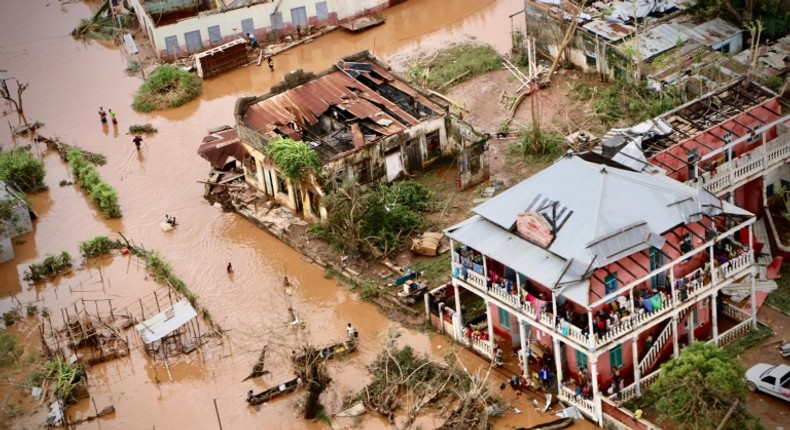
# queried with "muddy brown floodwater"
point(69, 80)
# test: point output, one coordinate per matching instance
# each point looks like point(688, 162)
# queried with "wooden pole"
point(216, 409)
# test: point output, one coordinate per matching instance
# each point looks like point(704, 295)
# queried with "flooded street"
point(69, 80)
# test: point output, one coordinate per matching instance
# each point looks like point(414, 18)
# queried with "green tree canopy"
point(294, 158)
point(23, 169)
point(695, 390)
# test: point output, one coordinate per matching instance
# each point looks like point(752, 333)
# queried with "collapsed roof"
point(351, 105)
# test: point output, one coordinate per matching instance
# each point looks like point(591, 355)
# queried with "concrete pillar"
point(524, 338)
point(591, 336)
point(675, 346)
point(427, 307)
point(489, 312)
point(714, 313)
point(635, 357)
point(690, 323)
point(672, 286)
point(751, 279)
point(713, 270)
point(558, 361)
point(441, 317)
point(592, 359)
point(460, 324)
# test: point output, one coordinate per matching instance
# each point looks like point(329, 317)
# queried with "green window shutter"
point(616, 356)
point(581, 359)
point(504, 318)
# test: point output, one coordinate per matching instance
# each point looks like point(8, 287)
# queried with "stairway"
point(652, 355)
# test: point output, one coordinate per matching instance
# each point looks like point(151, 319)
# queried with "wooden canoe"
point(274, 392)
point(559, 424)
point(332, 351)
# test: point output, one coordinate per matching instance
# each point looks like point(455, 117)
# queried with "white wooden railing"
point(734, 333)
point(585, 405)
point(653, 353)
point(751, 165)
point(502, 294)
point(735, 313)
point(482, 346)
point(629, 393)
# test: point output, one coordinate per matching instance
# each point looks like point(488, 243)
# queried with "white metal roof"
point(604, 202)
point(166, 322)
point(661, 38)
point(713, 32)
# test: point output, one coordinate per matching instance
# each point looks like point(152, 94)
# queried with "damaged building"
point(365, 122)
point(177, 28)
point(664, 48)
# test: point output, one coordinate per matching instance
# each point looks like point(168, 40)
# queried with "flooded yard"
point(69, 81)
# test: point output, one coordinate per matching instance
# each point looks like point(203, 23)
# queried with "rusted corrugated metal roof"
point(304, 104)
point(611, 31)
point(660, 39)
point(222, 147)
point(713, 32)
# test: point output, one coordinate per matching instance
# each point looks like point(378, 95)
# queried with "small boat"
point(561, 423)
point(274, 392)
point(363, 23)
point(332, 351)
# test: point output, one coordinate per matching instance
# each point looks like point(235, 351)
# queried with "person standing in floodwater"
point(103, 115)
point(270, 63)
point(137, 141)
point(230, 268)
point(112, 118)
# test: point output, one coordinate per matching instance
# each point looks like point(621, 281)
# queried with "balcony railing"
point(749, 166)
point(734, 333)
point(629, 393)
point(482, 346)
point(695, 284)
point(585, 405)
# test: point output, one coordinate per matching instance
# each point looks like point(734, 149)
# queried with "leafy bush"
point(26, 171)
point(295, 159)
point(51, 266)
point(99, 245)
point(31, 309)
point(167, 87)
point(626, 102)
point(64, 377)
point(102, 194)
point(372, 221)
point(545, 144)
point(11, 317)
point(142, 128)
point(133, 68)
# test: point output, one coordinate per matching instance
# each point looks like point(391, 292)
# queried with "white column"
point(524, 337)
point(591, 340)
point(713, 269)
point(635, 358)
point(457, 300)
point(675, 346)
point(672, 286)
point(751, 280)
point(557, 360)
point(714, 313)
point(690, 323)
point(427, 307)
point(593, 360)
point(490, 317)
point(441, 317)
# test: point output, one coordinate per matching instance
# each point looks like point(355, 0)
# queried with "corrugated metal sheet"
point(713, 32)
point(166, 322)
point(660, 39)
point(222, 147)
point(604, 200)
point(611, 31)
point(304, 104)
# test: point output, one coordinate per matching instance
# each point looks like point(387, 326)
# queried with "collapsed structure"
point(177, 28)
point(653, 38)
point(365, 123)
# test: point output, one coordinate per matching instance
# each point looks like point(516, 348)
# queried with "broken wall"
point(163, 7)
point(471, 148)
point(349, 9)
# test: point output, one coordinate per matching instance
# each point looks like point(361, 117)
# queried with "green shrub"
point(142, 128)
point(99, 245)
point(296, 159)
point(167, 87)
point(101, 193)
point(11, 317)
point(51, 266)
point(26, 171)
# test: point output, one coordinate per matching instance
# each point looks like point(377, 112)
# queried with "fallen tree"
point(402, 380)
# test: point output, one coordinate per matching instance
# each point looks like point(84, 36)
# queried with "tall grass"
point(167, 87)
point(454, 61)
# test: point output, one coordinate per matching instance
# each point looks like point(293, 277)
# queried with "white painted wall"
point(260, 13)
point(348, 8)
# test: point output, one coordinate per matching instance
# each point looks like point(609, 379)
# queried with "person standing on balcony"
point(649, 342)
